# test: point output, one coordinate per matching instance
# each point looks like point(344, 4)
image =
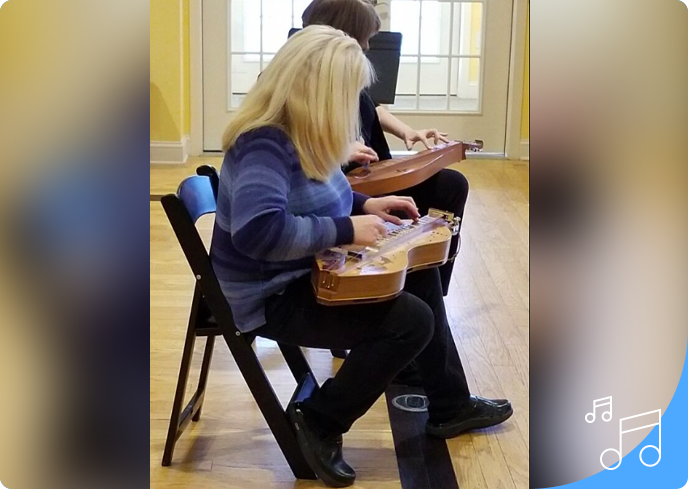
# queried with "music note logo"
point(606, 416)
point(619, 452)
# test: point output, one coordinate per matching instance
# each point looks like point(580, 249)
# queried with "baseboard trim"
point(481, 155)
point(172, 152)
point(524, 153)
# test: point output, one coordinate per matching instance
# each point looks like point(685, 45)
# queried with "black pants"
point(383, 339)
point(447, 190)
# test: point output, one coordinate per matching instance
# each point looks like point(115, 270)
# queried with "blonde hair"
point(311, 91)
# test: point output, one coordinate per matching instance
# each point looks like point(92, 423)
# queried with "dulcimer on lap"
point(363, 274)
point(385, 177)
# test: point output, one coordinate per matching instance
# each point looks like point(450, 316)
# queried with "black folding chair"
point(196, 197)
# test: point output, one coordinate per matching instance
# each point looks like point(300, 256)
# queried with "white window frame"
point(425, 59)
point(421, 59)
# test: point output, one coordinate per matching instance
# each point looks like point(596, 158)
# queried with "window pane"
point(407, 83)
point(245, 18)
point(276, 23)
point(434, 74)
point(404, 17)
point(465, 85)
point(468, 29)
point(435, 28)
point(245, 71)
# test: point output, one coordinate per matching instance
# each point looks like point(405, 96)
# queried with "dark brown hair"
point(357, 18)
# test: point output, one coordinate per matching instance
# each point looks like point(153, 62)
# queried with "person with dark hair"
point(448, 189)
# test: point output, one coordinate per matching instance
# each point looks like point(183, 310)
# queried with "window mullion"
point(451, 48)
point(261, 35)
point(420, 37)
point(459, 36)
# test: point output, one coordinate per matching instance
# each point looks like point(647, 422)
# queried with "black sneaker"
point(479, 413)
point(323, 454)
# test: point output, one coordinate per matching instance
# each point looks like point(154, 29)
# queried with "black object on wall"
point(384, 54)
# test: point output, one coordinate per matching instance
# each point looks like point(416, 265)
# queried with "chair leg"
point(205, 369)
point(177, 417)
point(296, 361)
point(339, 353)
point(269, 404)
point(173, 431)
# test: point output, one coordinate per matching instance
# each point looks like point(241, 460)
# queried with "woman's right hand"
point(363, 154)
point(368, 229)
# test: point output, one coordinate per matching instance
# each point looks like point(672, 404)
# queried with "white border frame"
point(514, 111)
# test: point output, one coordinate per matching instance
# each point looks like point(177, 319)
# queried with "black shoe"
point(480, 413)
point(410, 376)
point(323, 454)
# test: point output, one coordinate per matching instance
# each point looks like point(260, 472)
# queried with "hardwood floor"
point(488, 305)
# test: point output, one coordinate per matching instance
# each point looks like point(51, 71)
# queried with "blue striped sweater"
point(271, 220)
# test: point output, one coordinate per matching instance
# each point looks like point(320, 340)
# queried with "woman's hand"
point(363, 154)
point(382, 207)
point(368, 229)
point(411, 137)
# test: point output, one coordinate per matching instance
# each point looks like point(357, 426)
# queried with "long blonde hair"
point(311, 91)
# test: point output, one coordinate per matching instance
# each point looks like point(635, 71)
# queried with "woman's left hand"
point(411, 137)
point(382, 207)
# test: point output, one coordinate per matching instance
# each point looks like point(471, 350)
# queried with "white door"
point(454, 70)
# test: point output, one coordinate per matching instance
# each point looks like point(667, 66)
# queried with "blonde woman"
point(282, 199)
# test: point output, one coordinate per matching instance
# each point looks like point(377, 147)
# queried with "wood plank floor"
point(231, 447)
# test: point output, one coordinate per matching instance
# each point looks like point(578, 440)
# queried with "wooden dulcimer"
point(386, 177)
point(358, 274)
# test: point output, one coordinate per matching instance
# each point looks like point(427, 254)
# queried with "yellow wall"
point(187, 68)
point(525, 122)
point(169, 70)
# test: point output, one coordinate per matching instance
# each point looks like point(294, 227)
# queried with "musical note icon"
point(619, 452)
point(605, 401)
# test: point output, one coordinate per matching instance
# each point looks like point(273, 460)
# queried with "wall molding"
point(172, 152)
point(524, 153)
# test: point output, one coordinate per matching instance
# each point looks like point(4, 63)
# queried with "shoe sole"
point(295, 417)
point(467, 426)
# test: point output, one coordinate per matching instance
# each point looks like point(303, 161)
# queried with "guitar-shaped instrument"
point(359, 274)
point(385, 177)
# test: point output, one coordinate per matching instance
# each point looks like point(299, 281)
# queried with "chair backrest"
point(211, 173)
point(198, 196)
point(195, 198)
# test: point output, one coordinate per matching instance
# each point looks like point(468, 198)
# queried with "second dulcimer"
point(360, 274)
point(386, 177)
